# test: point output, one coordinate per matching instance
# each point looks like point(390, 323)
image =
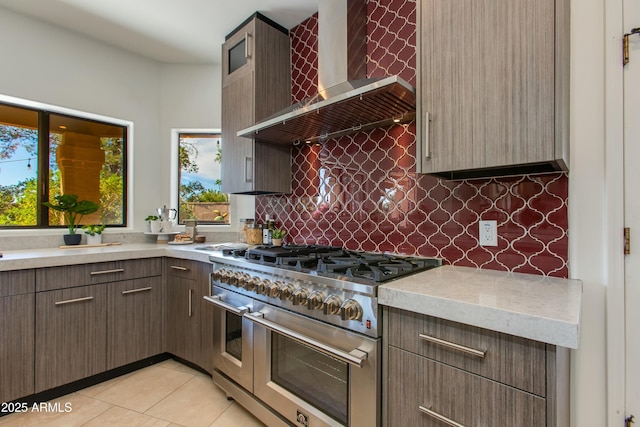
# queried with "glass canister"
point(254, 234)
point(244, 225)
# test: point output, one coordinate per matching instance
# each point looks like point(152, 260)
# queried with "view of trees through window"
point(200, 198)
point(81, 156)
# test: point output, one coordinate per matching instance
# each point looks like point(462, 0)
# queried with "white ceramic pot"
point(156, 226)
point(96, 239)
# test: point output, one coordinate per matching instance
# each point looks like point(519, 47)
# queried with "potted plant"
point(276, 236)
point(72, 211)
point(153, 223)
point(94, 233)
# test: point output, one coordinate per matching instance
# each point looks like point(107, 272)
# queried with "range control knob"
point(251, 283)
point(332, 304)
point(315, 300)
point(351, 310)
point(232, 278)
point(275, 289)
point(263, 286)
point(242, 279)
point(299, 296)
point(286, 292)
point(219, 274)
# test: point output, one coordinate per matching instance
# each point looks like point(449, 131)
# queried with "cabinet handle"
point(133, 291)
point(247, 52)
point(453, 346)
point(248, 167)
point(71, 301)
point(439, 417)
point(115, 270)
point(427, 144)
point(190, 302)
point(177, 267)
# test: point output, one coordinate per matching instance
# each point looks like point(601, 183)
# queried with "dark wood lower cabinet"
point(134, 329)
point(183, 311)
point(71, 330)
point(16, 346)
point(442, 373)
point(422, 392)
point(189, 319)
point(102, 316)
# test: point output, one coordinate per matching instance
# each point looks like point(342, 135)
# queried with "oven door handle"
point(217, 301)
point(355, 357)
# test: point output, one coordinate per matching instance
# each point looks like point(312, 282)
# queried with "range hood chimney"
point(347, 102)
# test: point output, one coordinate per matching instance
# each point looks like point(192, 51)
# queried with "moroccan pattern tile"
point(361, 191)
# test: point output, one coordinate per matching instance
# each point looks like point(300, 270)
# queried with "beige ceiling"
point(172, 31)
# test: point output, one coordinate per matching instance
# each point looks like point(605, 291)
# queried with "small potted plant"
point(153, 224)
point(72, 212)
point(276, 236)
point(94, 233)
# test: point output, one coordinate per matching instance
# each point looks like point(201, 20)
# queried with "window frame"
point(44, 111)
point(176, 174)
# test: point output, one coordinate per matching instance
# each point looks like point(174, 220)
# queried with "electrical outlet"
point(488, 233)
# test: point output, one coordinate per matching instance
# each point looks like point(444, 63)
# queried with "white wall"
point(47, 64)
point(587, 210)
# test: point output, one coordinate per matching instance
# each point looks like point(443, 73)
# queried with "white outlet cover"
point(488, 234)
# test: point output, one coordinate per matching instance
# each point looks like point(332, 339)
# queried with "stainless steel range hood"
point(346, 102)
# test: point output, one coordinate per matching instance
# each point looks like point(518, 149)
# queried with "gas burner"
point(236, 253)
point(331, 261)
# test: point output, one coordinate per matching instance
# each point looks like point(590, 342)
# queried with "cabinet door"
point(135, 321)
point(238, 113)
point(206, 318)
point(70, 335)
point(486, 78)
point(183, 318)
point(17, 348)
point(238, 54)
point(421, 389)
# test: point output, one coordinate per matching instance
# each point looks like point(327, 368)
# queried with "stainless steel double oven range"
point(298, 331)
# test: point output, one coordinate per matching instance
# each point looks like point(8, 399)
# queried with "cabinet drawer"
point(90, 274)
point(419, 385)
point(17, 282)
point(515, 361)
point(183, 268)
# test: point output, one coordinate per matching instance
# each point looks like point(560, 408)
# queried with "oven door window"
point(233, 335)
point(314, 377)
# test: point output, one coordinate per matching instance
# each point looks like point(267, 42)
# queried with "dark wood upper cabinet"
point(493, 87)
point(256, 83)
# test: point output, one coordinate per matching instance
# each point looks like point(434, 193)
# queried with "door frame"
point(614, 212)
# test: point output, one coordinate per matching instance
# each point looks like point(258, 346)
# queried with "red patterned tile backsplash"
point(361, 191)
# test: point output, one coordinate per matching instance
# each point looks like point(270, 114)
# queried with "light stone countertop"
point(541, 308)
point(51, 257)
point(536, 307)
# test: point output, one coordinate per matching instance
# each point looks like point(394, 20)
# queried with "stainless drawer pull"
point(454, 346)
point(177, 267)
point(133, 291)
point(217, 301)
point(439, 417)
point(71, 301)
point(116, 270)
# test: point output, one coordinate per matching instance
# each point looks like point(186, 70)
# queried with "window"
point(44, 153)
point(199, 195)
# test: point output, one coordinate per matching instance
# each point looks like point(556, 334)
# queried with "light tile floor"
point(165, 394)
